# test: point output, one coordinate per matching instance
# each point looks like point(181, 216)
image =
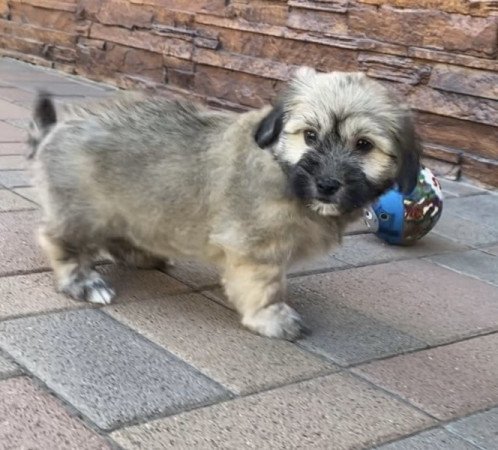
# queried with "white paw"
point(91, 288)
point(100, 293)
point(277, 321)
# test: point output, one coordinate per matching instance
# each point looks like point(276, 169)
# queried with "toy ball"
point(403, 219)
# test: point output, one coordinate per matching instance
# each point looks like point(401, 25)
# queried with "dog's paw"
point(276, 321)
point(92, 289)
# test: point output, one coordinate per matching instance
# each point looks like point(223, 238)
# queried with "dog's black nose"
point(328, 186)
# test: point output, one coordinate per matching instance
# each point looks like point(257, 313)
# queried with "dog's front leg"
point(258, 293)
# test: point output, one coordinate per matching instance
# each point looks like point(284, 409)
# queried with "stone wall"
point(442, 55)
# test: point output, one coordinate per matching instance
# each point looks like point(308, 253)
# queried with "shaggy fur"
point(146, 179)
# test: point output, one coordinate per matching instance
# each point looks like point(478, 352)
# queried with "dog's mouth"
point(325, 208)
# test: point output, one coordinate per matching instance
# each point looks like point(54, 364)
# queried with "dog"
point(147, 180)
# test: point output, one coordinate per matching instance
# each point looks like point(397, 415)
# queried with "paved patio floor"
point(403, 355)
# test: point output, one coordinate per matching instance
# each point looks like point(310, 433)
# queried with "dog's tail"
point(44, 118)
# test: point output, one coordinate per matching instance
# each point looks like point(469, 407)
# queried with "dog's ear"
point(270, 127)
point(409, 153)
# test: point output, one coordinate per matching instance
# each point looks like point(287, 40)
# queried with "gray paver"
point(194, 273)
point(12, 202)
point(18, 246)
point(30, 418)
point(343, 334)
point(434, 304)
point(368, 249)
point(103, 369)
point(482, 209)
point(29, 193)
point(8, 368)
point(475, 263)
point(481, 429)
point(209, 337)
point(335, 409)
point(14, 178)
point(434, 440)
point(459, 188)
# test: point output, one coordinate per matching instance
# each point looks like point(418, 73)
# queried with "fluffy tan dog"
point(147, 179)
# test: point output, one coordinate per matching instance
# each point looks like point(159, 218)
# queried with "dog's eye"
point(310, 137)
point(363, 145)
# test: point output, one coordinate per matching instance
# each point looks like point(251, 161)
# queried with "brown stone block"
point(318, 21)
point(453, 58)
point(166, 16)
point(182, 78)
point(21, 45)
point(465, 81)
point(256, 66)
point(31, 59)
point(44, 18)
point(28, 31)
point(289, 51)
point(183, 5)
point(481, 169)
point(272, 12)
point(62, 54)
point(461, 134)
point(393, 68)
point(426, 28)
point(475, 7)
point(177, 47)
point(338, 6)
point(124, 14)
point(69, 6)
point(4, 8)
point(235, 87)
point(454, 105)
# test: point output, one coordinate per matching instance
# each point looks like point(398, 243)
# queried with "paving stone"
point(33, 419)
point(459, 188)
point(13, 94)
point(447, 382)
point(29, 193)
point(481, 429)
point(426, 301)
point(103, 368)
point(465, 231)
point(434, 440)
point(34, 293)
point(474, 263)
point(13, 148)
point(369, 249)
point(12, 202)
point(482, 209)
point(65, 88)
point(140, 285)
point(18, 246)
point(336, 409)
point(195, 274)
point(324, 263)
point(31, 294)
point(7, 369)
point(14, 178)
point(9, 110)
point(10, 162)
point(491, 250)
point(343, 334)
point(10, 133)
point(209, 337)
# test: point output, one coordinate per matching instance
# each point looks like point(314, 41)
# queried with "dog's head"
point(343, 138)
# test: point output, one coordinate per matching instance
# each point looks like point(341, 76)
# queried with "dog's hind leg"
point(257, 291)
point(73, 271)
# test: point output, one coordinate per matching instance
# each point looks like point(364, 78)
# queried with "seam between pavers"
point(475, 277)
point(463, 438)
point(429, 347)
point(144, 419)
point(25, 272)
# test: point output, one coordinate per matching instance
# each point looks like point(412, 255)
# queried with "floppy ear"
point(270, 127)
point(409, 152)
